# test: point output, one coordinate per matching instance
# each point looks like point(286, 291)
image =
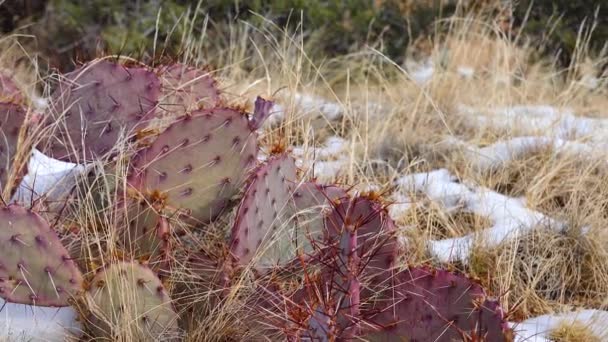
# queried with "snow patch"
point(466, 71)
point(325, 162)
point(537, 329)
point(46, 177)
point(509, 216)
point(541, 119)
point(307, 106)
point(420, 73)
point(20, 322)
point(499, 154)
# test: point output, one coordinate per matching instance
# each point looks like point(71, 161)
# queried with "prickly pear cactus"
point(185, 89)
point(146, 235)
point(377, 245)
point(198, 163)
point(313, 202)
point(129, 302)
point(12, 118)
point(339, 285)
point(34, 267)
point(437, 305)
point(263, 228)
point(97, 104)
point(320, 326)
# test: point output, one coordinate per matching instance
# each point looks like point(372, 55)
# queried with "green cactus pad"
point(437, 305)
point(198, 163)
point(129, 302)
point(263, 229)
point(97, 104)
point(12, 117)
point(34, 267)
point(185, 89)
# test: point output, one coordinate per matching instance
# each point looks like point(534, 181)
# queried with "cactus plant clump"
point(355, 290)
point(320, 261)
point(145, 234)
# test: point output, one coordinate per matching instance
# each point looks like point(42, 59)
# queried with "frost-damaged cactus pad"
point(437, 305)
point(199, 162)
point(98, 103)
point(129, 298)
point(185, 89)
point(12, 117)
point(34, 267)
point(262, 223)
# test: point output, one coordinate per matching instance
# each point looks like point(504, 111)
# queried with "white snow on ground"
point(537, 329)
point(541, 119)
point(308, 104)
point(499, 154)
point(326, 161)
point(542, 127)
point(509, 216)
point(333, 147)
point(305, 106)
point(46, 177)
point(421, 73)
point(19, 322)
point(40, 103)
point(466, 71)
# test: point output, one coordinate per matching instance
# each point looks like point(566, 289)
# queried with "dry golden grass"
point(535, 273)
point(573, 332)
point(395, 126)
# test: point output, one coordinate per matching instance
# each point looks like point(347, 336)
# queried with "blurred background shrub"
point(69, 30)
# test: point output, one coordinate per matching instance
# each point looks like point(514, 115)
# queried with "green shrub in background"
point(75, 29)
point(557, 24)
point(341, 27)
